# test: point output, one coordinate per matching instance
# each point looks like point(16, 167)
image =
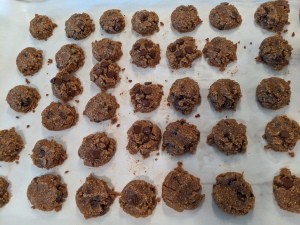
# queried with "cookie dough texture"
point(107, 49)
point(112, 21)
point(182, 53)
point(4, 194)
point(29, 61)
point(138, 198)
point(145, 22)
point(281, 134)
point(23, 99)
point(47, 192)
point(79, 26)
point(233, 194)
point(11, 144)
point(41, 27)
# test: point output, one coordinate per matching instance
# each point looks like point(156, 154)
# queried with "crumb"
point(168, 104)
point(207, 39)
point(123, 69)
point(155, 159)
point(158, 154)
point(67, 171)
point(239, 42)
point(293, 34)
point(17, 117)
point(118, 125)
point(197, 115)
point(17, 162)
point(161, 23)
point(114, 120)
point(166, 81)
point(286, 30)
point(138, 161)
point(47, 73)
point(292, 154)
point(129, 81)
point(50, 61)
point(28, 126)
point(245, 47)
point(77, 101)
point(250, 43)
point(121, 93)
point(158, 199)
point(47, 95)
point(180, 164)
point(27, 81)
point(145, 171)
point(33, 111)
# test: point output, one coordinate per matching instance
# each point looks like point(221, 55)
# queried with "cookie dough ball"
point(184, 95)
point(185, 18)
point(41, 27)
point(138, 198)
point(233, 194)
point(23, 99)
point(112, 21)
point(11, 144)
point(107, 49)
point(105, 74)
point(286, 189)
point(275, 52)
point(69, 57)
point(79, 26)
point(145, 53)
point(145, 22)
point(58, 116)
point(47, 192)
point(101, 107)
point(29, 61)
point(281, 134)
point(4, 194)
point(97, 149)
point(273, 93)
point(224, 94)
point(180, 137)
point(146, 98)
point(48, 154)
point(144, 137)
point(273, 15)
point(229, 137)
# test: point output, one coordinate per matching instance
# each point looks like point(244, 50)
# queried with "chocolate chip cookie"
point(29, 61)
point(11, 144)
point(79, 26)
point(4, 194)
point(112, 21)
point(145, 22)
point(41, 27)
point(107, 49)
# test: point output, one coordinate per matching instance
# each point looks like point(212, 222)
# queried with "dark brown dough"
point(145, 53)
point(105, 74)
point(47, 192)
point(184, 95)
point(58, 116)
point(273, 15)
point(79, 26)
point(286, 190)
point(182, 53)
point(112, 21)
point(180, 137)
point(138, 198)
point(41, 27)
point(281, 134)
point(48, 154)
point(219, 52)
point(4, 194)
point(181, 190)
point(11, 144)
point(185, 18)
point(143, 137)
point(229, 137)
point(233, 194)
point(29, 61)
point(273, 93)
point(224, 94)
point(97, 149)
point(275, 52)
point(23, 99)
point(107, 49)
point(101, 107)
point(225, 16)
point(145, 22)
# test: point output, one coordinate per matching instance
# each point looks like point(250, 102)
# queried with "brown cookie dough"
point(233, 194)
point(69, 57)
point(145, 22)
point(107, 49)
point(105, 74)
point(47, 192)
point(184, 95)
point(79, 26)
point(11, 144)
point(182, 53)
point(145, 53)
point(29, 61)
point(101, 107)
point(58, 116)
point(144, 137)
point(138, 198)
point(286, 189)
point(4, 194)
point(41, 27)
point(275, 52)
point(185, 18)
point(229, 137)
point(97, 149)
point(23, 99)
point(48, 154)
point(273, 93)
point(225, 17)
point(224, 94)
point(180, 137)
point(273, 15)
point(112, 21)
point(219, 52)
point(281, 134)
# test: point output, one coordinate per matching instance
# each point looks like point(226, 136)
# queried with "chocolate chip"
point(172, 48)
point(284, 134)
point(52, 81)
point(42, 153)
point(98, 72)
point(178, 53)
point(149, 44)
point(136, 88)
point(180, 41)
point(104, 63)
point(136, 46)
point(147, 130)
point(143, 52)
point(137, 129)
point(242, 197)
point(111, 74)
point(95, 154)
point(148, 83)
point(287, 182)
point(94, 203)
point(152, 54)
point(145, 102)
point(26, 102)
point(147, 90)
point(188, 49)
